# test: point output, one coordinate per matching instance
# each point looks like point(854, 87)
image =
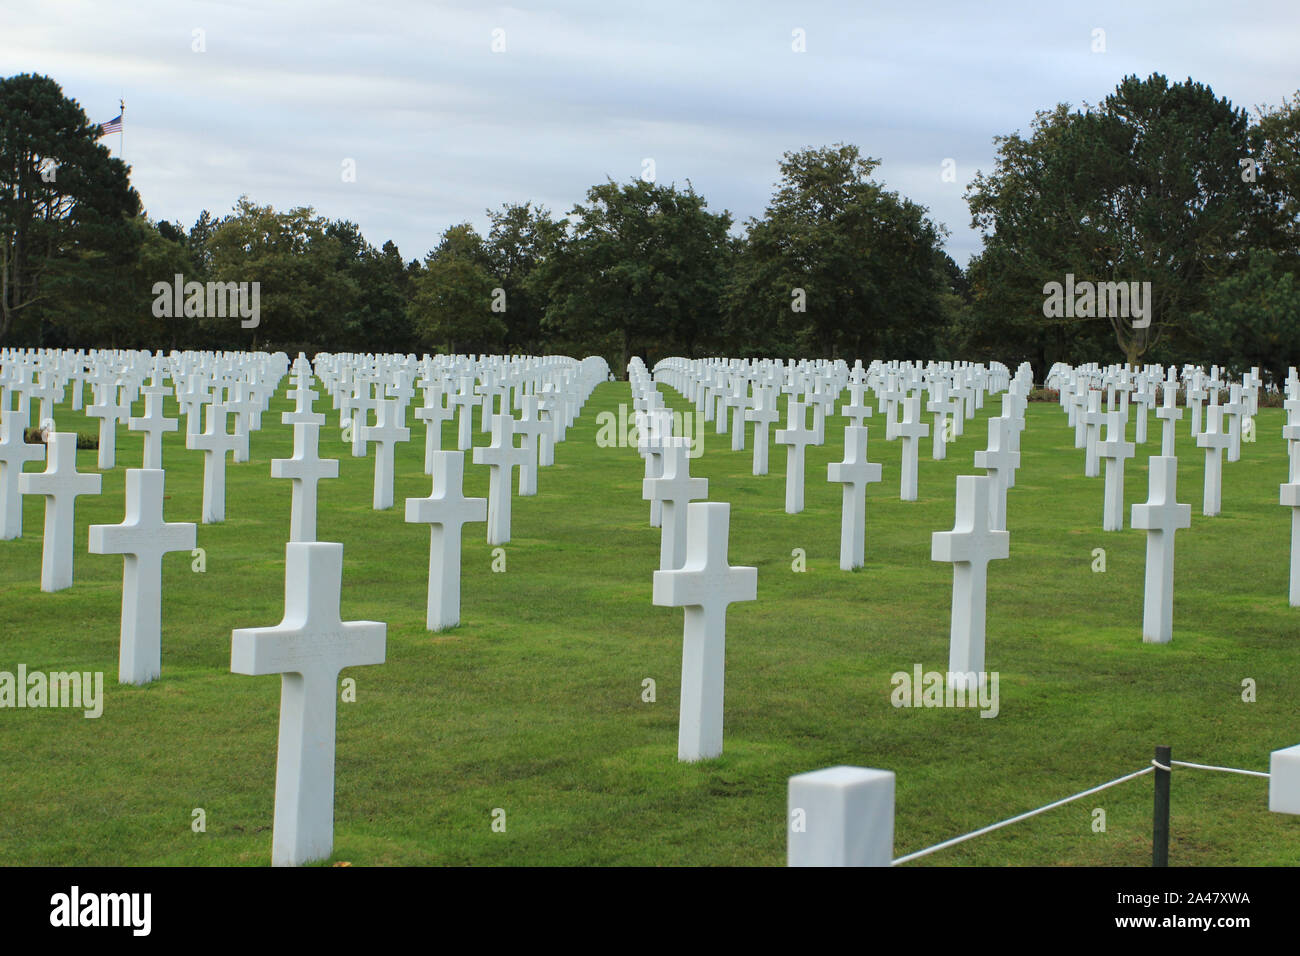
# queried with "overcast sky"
point(441, 127)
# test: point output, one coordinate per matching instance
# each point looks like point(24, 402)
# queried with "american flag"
point(112, 126)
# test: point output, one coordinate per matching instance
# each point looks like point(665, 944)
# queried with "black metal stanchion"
point(1160, 821)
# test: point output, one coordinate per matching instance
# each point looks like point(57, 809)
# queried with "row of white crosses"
point(143, 537)
point(199, 379)
point(1223, 429)
point(894, 385)
point(956, 394)
point(311, 645)
point(1289, 491)
point(694, 570)
point(974, 541)
point(1161, 516)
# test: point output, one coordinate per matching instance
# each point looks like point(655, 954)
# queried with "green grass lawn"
point(533, 705)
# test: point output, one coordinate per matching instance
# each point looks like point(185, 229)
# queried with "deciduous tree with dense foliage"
point(452, 305)
point(641, 273)
point(838, 265)
point(1146, 187)
point(304, 294)
point(520, 239)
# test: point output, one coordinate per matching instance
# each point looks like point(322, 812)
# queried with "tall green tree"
point(375, 319)
point(642, 272)
point(1146, 187)
point(294, 258)
point(66, 207)
point(838, 265)
point(519, 240)
point(1252, 318)
point(452, 305)
point(1275, 148)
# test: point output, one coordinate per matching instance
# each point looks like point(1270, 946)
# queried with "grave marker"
point(705, 585)
point(1160, 517)
point(60, 484)
point(969, 547)
point(142, 539)
point(307, 649)
point(446, 511)
point(855, 472)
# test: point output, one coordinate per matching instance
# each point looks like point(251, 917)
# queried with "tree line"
point(1162, 184)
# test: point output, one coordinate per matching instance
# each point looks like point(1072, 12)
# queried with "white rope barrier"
point(1155, 765)
point(1023, 816)
point(1203, 766)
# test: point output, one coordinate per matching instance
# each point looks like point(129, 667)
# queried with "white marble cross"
point(502, 457)
point(214, 442)
point(1114, 450)
point(1000, 463)
point(822, 403)
point(1078, 408)
point(1093, 419)
point(307, 648)
point(48, 394)
point(464, 401)
point(386, 433)
point(60, 484)
point(547, 404)
point(142, 539)
point(764, 414)
point(720, 397)
point(1214, 440)
point(110, 411)
point(305, 469)
point(738, 400)
point(940, 405)
point(892, 396)
point(961, 395)
point(1169, 413)
point(857, 411)
point(1143, 399)
point(446, 511)
point(1232, 412)
point(489, 390)
point(1289, 497)
point(304, 399)
point(360, 404)
point(433, 414)
point(154, 425)
point(653, 430)
point(1160, 516)
point(241, 404)
point(969, 546)
point(796, 436)
point(854, 473)
point(674, 489)
point(1196, 394)
point(704, 585)
point(911, 430)
point(14, 453)
point(530, 426)
point(1291, 434)
point(1013, 410)
point(196, 395)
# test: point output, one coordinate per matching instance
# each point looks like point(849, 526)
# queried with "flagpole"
point(121, 130)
